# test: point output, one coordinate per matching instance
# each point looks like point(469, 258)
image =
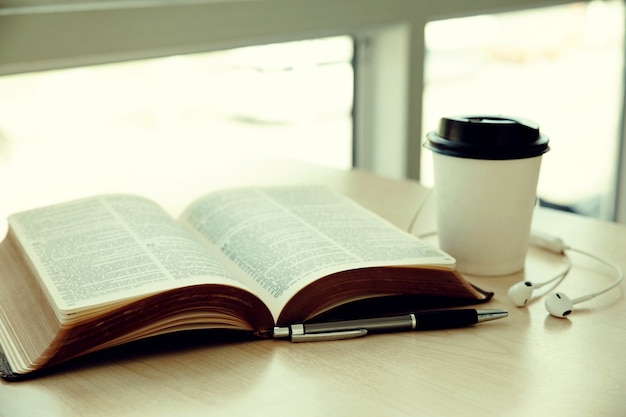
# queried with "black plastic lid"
point(487, 137)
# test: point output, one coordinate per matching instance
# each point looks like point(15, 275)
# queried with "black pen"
point(347, 329)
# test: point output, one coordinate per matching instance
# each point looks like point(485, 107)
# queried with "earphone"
point(558, 304)
point(521, 293)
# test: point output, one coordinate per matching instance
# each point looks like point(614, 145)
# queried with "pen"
point(347, 329)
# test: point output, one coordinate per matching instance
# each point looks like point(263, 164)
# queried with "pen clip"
point(322, 337)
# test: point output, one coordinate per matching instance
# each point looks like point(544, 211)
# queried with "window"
point(290, 99)
point(389, 59)
point(559, 66)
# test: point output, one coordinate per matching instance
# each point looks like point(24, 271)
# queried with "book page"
point(105, 249)
point(284, 238)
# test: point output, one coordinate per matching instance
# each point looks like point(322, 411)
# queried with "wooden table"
point(528, 364)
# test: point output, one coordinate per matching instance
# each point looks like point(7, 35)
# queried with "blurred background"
point(561, 66)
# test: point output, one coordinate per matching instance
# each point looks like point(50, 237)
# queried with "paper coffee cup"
point(486, 170)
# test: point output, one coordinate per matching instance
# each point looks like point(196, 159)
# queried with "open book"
point(98, 272)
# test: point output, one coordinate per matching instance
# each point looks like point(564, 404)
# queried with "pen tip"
point(488, 315)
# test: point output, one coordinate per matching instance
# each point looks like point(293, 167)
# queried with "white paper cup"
point(486, 171)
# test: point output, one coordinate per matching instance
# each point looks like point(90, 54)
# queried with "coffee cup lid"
point(487, 137)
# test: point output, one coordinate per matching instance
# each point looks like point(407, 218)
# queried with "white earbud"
point(559, 305)
point(521, 292)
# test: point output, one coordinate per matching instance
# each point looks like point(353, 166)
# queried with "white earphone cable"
point(561, 275)
point(618, 281)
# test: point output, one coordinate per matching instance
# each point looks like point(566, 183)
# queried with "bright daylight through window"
point(290, 99)
point(559, 66)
